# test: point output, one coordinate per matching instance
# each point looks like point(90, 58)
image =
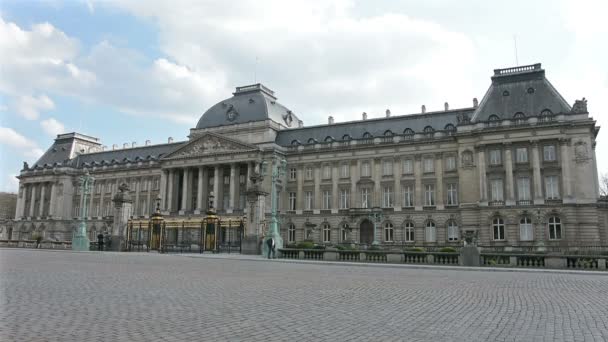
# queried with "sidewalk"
point(259, 258)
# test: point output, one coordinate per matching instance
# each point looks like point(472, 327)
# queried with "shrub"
point(413, 249)
point(318, 247)
point(447, 250)
point(374, 248)
point(305, 245)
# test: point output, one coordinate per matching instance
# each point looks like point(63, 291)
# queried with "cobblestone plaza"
point(66, 296)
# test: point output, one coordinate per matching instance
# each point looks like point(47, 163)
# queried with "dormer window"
point(408, 134)
point(450, 129)
point(493, 121)
point(520, 118)
point(346, 137)
point(329, 139)
point(312, 141)
point(545, 116)
point(295, 143)
point(367, 135)
point(429, 132)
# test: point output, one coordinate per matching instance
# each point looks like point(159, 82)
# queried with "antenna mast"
point(515, 43)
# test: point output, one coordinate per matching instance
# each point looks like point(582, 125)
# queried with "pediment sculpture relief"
point(208, 145)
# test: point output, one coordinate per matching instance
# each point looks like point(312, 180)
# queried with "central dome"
point(250, 103)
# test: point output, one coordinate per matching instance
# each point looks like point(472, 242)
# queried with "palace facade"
point(518, 168)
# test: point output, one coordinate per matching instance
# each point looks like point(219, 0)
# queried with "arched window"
point(291, 233)
point(409, 232)
point(329, 139)
point(453, 232)
point(388, 232)
point(555, 228)
point(344, 237)
point(429, 131)
point(408, 134)
point(525, 229)
point(312, 141)
point(388, 133)
point(346, 137)
point(545, 116)
point(430, 232)
point(520, 118)
point(498, 227)
point(367, 135)
point(326, 233)
point(295, 143)
point(493, 120)
point(450, 129)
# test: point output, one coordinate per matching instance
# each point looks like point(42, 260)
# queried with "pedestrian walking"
point(100, 242)
point(271, 247)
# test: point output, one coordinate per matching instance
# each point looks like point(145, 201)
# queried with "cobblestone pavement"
point(65, 296)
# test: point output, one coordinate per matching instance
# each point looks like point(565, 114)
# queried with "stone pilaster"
point(41, 204)
point(216, 186)
point(170, 181)
point(163, 189)
point(509, 175)
point(481, 173)
point(33, 200)
point(397, 187)
point(418, 191)
point(185, 187)
point(538, 185)
point(335, 199)
point(440, 200)
point(232, 188)
point(199, 192)
point(565, 156)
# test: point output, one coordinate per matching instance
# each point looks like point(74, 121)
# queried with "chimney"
point(330, 120)
point(423, 109)
point(114, 146)
point(125, 145)
point(388, 113)
point(170, 140)
point(300, 123)
point(446, 106)
point(364, 116)
point(148, 142)
point(134, 144)
point(475, 102)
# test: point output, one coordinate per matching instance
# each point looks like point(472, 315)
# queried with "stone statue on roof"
point(580, 106)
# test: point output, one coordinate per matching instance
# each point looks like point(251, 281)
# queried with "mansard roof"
point(522, 89)
point(249, 103)
point(376, 127)
point(134, 154)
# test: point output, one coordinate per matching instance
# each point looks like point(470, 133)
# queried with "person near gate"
point(100, 242)
point(271, 247)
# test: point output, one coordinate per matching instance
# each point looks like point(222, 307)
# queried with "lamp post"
point(80, 241)
point(157, 225)
point(376, 216)
point(277, 171)
point(211, 224)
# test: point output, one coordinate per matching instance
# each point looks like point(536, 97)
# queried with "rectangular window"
point(344, 199)
point(549, 153)
point(409, 232)
point(387, 197)
point(308, 200)
point(326, 199)
point(450, 163)
point(499, 231)
point(292, 201)
point(521, 155)
point(344, 171)
point(496, 189)
point(226, 180)
point(495, 157)
point(326, 233)
point(453, 233)
point(308, 172)
point(429, 165)
point(293, 172)
point(551, 187)
point(291, 236)
point(525, 230)
point(242, 179)
point(452, 194)
point(387, 168)
point(408, 196)
point(326, 172)
point(408, 167)
point(429, 194)
point(365, 198)
point(523, 188)
point(365, 169)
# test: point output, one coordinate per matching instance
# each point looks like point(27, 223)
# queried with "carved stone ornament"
point(208, 145)
point(581, 153)
point(463, 118)
point(231, 113)
point(467, 159)
point(288, 118)
point(580, 107)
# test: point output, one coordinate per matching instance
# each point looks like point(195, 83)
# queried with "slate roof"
point(143, 153)
point(520, 89)
point(249, 103)
point(58, 153)
point(376, 127)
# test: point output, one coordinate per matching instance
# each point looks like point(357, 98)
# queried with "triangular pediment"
point(210, 144)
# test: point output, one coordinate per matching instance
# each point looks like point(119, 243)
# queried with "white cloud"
point(11, 138)
point(30, 107)
point(52, 127)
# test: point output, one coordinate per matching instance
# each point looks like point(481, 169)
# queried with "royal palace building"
point(517, 168)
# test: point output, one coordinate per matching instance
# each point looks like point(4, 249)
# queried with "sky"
point(129, 71)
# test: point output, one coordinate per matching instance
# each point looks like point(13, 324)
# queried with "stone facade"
point(518, 168)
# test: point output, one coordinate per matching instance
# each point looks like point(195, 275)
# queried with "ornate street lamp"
point(376, 216)
point(277, 171)
point(211, 222)
point(157, 220)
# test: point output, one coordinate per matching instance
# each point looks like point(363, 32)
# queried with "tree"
point(604, 185)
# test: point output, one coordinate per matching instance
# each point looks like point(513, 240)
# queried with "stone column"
point(355, 172)
point(185, 187)
point(232, 188)
point(205, 198)
point(33, 199)
point(42, 194)
point(439, 200)
point(376, 167)
point(566, 180)
point(136, 208)
point(538, 185)
point(163, 189)
point(481, 165)
point(335, 199)
point(300, 189)
point(216, 187)
point(317, 198)
point(20, 202)
point(146, 211)
point(199, 192)
point(397, 190)
point(509, 175)
point(92, 196)
point(101, 198)
point(418, 191)
point(170, 180)
point(53, 200)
